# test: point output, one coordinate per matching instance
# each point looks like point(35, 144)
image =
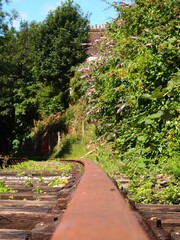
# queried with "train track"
point(163, 219)
point(31, 209)
point(97, 210)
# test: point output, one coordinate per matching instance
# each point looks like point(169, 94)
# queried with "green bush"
point(132, 89)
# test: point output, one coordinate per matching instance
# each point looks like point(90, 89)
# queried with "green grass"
point(36, 166)
point(57, 181)
point(76, 144)
point(148, 183)
point(5, 189)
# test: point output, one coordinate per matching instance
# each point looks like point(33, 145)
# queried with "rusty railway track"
point(98, 210)
point(35, 209)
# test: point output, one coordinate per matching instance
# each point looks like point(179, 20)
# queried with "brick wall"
point(96, 32)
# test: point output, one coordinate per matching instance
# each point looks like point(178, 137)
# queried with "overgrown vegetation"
point(122, 109)
point(36, 64)
point(132, 94)
point(58, 182)
point(54, 166)
point(5, 189)
point(32, 174)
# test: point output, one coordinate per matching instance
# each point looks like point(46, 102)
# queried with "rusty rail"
point(97, 211)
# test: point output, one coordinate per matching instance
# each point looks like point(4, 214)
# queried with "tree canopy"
point(60, 48)
point(35, 67)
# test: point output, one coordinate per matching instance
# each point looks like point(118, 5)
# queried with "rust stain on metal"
point(97, 211)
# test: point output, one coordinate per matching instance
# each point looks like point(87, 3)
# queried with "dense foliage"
point(35, 68)
point(132, 90)
point(6, 104)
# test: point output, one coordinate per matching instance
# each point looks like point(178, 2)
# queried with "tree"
point(6, 81)
point(3, 25)
point(26, 88)
point(35, 67)
point(60, 48)
point(18, 88)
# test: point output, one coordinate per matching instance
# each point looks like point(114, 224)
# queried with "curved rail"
point(97, 211)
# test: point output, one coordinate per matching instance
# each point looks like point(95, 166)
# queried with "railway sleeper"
point(9, 234)
point(163, 219)
point(27, 219)
point(40, 232)
point(27, 203)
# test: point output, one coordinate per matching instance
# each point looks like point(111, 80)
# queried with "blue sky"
point(37, 10)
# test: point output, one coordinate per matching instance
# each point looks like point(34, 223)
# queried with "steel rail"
point(97, 211)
